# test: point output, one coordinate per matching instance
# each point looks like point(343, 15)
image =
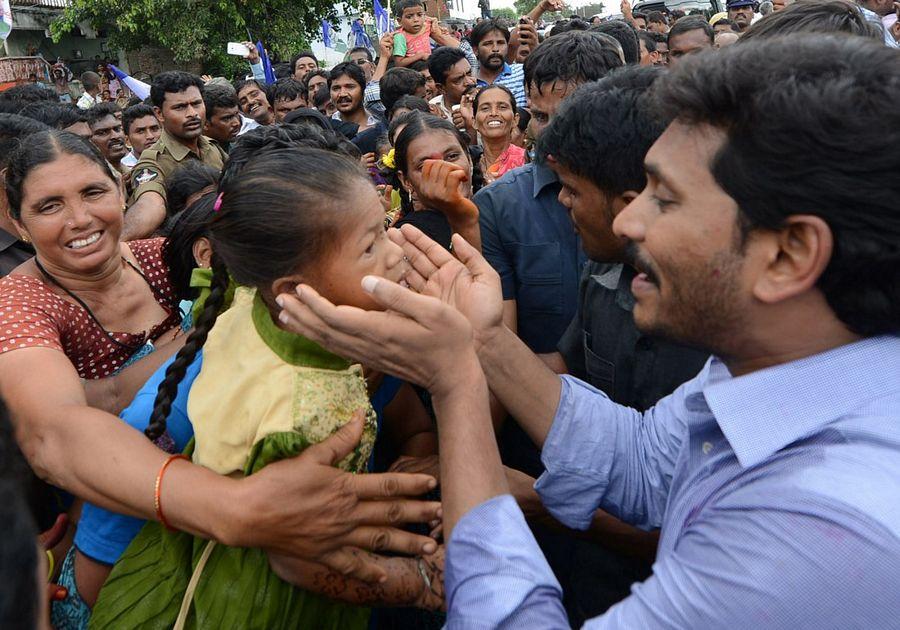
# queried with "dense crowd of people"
point(596, 328)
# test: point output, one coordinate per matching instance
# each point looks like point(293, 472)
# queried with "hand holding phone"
point(238, 49)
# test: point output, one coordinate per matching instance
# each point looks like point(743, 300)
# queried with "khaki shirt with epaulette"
point(163, 157)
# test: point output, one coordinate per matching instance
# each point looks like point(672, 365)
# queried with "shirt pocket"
point(539, 270)
point(600, 372)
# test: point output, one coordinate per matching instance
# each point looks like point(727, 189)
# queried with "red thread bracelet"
point(156, 494)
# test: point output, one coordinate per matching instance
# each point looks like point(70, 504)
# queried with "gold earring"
point(24, 239)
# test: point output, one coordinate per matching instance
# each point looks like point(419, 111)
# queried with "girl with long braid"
point(263, 394)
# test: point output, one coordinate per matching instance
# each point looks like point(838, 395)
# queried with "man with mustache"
point(490, 40)
point(178, 103)
point(253, 98)
point(347, 83)
point(107, 134)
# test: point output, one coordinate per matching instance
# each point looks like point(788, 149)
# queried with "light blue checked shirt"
point(777, 492)
point(875, 19)
point(512, 77)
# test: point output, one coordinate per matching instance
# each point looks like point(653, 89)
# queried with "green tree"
point(505, 13)
point(200, 29)
point(524, 7)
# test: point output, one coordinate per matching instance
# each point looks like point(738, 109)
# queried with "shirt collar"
point(178, 150)
point(543, 177)
point(507, 70)
point(762, 412)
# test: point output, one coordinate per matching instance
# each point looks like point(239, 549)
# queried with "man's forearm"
point(471, 472)
point(526, 387)
point(144, 217)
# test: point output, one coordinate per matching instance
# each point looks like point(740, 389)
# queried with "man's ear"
point(797, 255)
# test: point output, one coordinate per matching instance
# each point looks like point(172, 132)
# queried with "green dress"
point(262, 395)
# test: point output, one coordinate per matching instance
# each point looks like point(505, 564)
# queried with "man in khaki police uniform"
point(178, 102)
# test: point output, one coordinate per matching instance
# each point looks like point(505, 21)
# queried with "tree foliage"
point(200, 29)
point(505, 13)
point(524, 7)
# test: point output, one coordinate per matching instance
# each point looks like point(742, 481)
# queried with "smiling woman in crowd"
point(496, 120)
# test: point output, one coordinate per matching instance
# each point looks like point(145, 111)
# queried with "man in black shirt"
point(13, 250)
point(600, 167)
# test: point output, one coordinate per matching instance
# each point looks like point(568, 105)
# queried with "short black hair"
point(362, 49)
point(639, 15)
point(724, 22)
point(657, 17)
point(777, 100)
point(288, 90)
point(574, 24)
point(29, 93)
point(14, 127)
point(282, 70)
point(603, 131)
point(419, 66)
point(321, 97)
point(398, 82)
point(648, 39)
point(134, 113)
point(482, 29)
point(692, 23)
point(100, 111)
point(573, 57)
point(625, 34)
point(55, 115)
point(401, 5)
point(659, 38)
point(172, 82)
point(90, 80)
point(299, 56)
point(218, 97)
point(441, 60)
point(412, 103)
point(348, 69)
point(187, 180)
point(814, 16)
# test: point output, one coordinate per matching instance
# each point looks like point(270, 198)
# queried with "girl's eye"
point(452, 157)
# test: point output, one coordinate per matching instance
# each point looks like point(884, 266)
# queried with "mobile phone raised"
point(238, 49)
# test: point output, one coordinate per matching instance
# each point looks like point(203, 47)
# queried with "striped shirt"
point(512, 77)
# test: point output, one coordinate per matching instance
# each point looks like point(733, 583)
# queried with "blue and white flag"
point(266, 63)
point(382, 20)
point(358, 35)
point(327, 34)
point(138, 88)
point(6, 21)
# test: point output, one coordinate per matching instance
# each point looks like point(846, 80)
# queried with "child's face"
point(413, 19)
point(364, 250)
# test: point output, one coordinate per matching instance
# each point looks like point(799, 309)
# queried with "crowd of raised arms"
point(588, 325)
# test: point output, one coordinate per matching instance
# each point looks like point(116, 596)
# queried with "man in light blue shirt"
point(774, 475)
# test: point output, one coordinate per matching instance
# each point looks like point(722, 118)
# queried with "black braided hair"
point(168, 388)
point(280, 213)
